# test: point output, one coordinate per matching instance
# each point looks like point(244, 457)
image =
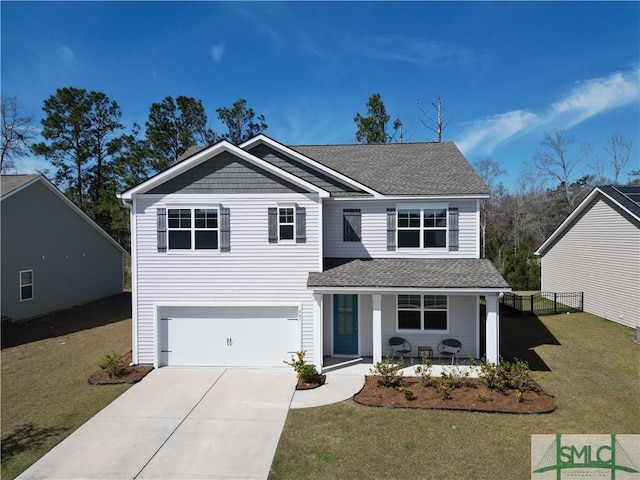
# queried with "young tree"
point(373, 127)
point(16, 133)
point(240, 122)
point(174, 126)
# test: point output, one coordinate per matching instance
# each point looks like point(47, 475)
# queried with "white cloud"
point(584, 101)
point(594, 96)
point(485, 134)
point(66, 56)
point(217, 51)
point(412, 50)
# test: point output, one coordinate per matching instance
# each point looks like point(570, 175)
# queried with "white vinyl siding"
point(374, 231)
point(600, 256)
point(250, 272)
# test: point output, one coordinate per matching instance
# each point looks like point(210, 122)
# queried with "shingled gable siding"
point(374, 232)
point(251, 272)
point(299, 169)
point(225, 173)
point(600, 256)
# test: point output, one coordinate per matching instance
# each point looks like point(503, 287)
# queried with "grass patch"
point(590, 365)
point(45, 394)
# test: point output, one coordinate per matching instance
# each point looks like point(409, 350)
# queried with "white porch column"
point(317, 331)
point(493, 329)
point(377, 327)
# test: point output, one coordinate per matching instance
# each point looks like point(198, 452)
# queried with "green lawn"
point(45, 394)
point(589, 364)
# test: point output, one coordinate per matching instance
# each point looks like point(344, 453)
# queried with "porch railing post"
point(318, 356)
point(377, 327)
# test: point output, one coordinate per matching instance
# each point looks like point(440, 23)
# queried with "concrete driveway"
point(180, 423)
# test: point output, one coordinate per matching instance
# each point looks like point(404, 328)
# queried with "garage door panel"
point(254, 336)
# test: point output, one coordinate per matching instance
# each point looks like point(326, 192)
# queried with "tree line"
point(93, 158)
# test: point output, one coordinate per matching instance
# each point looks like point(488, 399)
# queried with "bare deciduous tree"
point(16, 132)
point(618, 148)
point(555, 161)
point(488, 170)
point(439, 123)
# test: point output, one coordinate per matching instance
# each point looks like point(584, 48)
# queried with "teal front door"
point(345, 324)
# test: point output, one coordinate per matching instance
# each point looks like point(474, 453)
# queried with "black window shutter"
point(391, 229)
point(453, 229)
point(351, 225)
point(162, 229)
point(301, 225)
point(273, 225)
point(225, 230)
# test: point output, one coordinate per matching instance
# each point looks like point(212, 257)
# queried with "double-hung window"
point(423, 312)
point(26, 285)
point(192, 228)
point(286, 223)
point(422, 227)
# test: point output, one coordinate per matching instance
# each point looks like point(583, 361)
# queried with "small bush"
point(112, 364)
point(388, 373)
point(408, 394)
point(305, 371)
point(455, 377)
point(423, 372)
point(444, 388)
point(506, 375)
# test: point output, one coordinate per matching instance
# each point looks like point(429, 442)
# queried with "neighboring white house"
point(53, 255)
point(244, 254)
point(596, 250)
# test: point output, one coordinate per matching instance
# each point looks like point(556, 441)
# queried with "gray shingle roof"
point(410, 273)
point(401, 168)
point(628, 196)
point(9, 183)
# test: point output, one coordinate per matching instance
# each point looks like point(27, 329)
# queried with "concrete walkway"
point(179, 423)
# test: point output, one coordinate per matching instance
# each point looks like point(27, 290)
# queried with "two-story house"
point(244, 254)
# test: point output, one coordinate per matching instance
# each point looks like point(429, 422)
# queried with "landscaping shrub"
point(112, 364)
point(387, 372)
point(305, 371)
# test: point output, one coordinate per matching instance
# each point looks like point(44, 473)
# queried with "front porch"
point(361, 305)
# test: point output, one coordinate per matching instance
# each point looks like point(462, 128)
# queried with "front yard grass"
point(589, 364)
point(45, 394)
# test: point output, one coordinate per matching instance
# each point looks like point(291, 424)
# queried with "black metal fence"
point(544, 303)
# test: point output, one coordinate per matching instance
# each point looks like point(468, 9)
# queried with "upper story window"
point(422, 227)
point(286, 223)
point(192, 228)
point(26, 285)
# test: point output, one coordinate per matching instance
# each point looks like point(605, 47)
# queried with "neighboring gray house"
point(244, 254)
point(53, 255)
point(596, 250)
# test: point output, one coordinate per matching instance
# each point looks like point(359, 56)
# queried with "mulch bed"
point(130, 374)
point(473, 397)
point(316, 381)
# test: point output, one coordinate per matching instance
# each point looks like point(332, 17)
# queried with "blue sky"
point(506, 72)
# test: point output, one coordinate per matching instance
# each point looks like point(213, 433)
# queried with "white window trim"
point(422, 310)
point(192, 229)
point(21, 285)
point(281, 206)
point(422, 207)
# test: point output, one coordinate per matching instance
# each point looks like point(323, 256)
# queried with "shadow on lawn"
point(27, 436)
point(518, 337)
point(83, 317)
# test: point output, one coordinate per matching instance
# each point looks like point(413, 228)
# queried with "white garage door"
point(228, 336)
